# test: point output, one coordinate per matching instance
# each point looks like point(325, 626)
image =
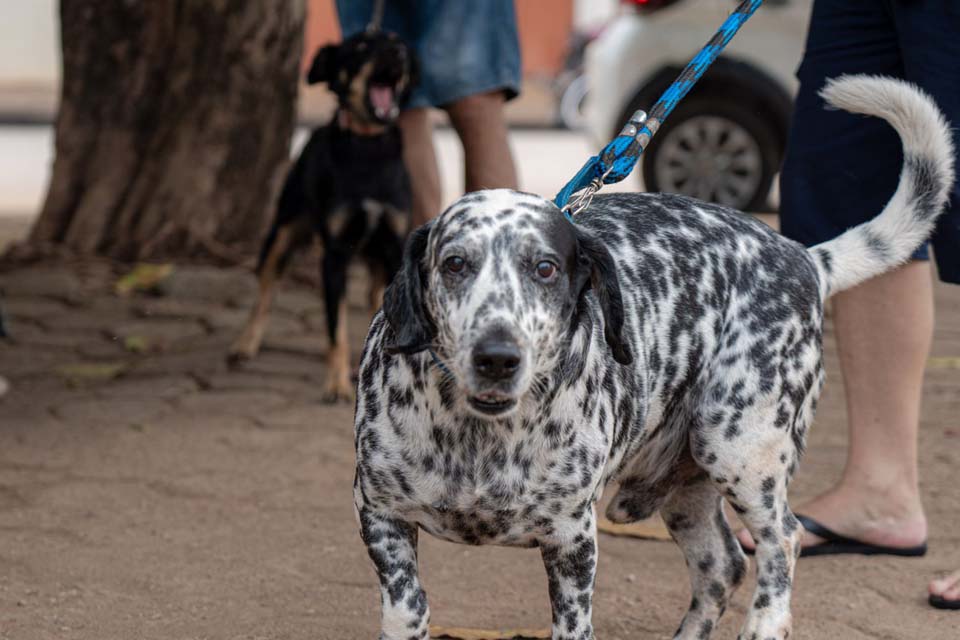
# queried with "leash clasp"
point(634, 124)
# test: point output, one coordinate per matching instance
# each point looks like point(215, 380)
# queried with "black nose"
point(496, 359)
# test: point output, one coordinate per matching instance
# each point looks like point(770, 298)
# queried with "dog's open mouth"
point(492, 403)
point(382, 99)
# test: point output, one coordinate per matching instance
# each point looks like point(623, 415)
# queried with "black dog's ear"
point(323, 66)
point(403, 303)
point(598, 271)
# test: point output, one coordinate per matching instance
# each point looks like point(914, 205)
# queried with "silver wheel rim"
point(572, 103)
point(711, 158)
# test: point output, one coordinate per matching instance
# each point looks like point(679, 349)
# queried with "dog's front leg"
point(571, 569)
point(392, 545)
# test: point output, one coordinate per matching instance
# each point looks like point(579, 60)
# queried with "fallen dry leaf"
point(943, 362)
point(136, 344)
point(90, 371)
point(143, 277)
point(652, 529)
point(462, 633)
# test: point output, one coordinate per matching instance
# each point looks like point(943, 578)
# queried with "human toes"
point(945, 586)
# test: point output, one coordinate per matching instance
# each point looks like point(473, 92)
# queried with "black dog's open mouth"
point(383, 101)
point(492, 404)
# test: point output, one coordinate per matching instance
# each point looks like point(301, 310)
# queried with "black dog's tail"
point(927, 176)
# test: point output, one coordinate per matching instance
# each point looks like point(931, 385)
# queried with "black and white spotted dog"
point(522, 362)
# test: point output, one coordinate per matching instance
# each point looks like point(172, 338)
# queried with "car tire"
point(717, 150)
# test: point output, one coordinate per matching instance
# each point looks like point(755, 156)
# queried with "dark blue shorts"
point(465, 47)
point(841, 169)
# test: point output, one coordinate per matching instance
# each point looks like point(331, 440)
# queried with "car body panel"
point(636, 47)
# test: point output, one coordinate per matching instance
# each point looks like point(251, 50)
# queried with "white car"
point(724, 142)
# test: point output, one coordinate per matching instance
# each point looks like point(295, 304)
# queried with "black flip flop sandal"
point(836, 544)
point(939, 602)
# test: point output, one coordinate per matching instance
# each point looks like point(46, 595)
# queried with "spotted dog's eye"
point(454, 264)
point(546, 269)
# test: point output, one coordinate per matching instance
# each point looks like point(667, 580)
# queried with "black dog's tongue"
point(381, 99)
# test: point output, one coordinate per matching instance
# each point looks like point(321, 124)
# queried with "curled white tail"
point(926, 178)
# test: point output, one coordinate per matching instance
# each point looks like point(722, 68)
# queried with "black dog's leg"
point(338, 385)
point(273, 257)
point(392, 545)
point(571, 570)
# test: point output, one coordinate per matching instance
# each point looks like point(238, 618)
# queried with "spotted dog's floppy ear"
point(403, 303)
point(598, 271)
point(323, 67)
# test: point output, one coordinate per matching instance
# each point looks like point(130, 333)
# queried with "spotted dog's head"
point(371, 73)
point(495, 287)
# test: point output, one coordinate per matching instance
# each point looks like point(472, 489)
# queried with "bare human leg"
point(479, 121)
point(420, 158)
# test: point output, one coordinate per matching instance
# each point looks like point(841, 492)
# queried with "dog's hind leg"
point(750, 461)
point(694, 515)
point(338, 385)
point(274, 256)
point(392, 546)
point(762, 505)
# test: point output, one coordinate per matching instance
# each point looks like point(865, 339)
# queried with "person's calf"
point(420, 159)
point(480, 123)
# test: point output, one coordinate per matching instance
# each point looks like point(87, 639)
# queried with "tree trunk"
point(174, 125)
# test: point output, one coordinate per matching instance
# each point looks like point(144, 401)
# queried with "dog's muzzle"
point(496, 362)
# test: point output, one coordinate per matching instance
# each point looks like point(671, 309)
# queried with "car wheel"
point(572, 103)
point(716, 151)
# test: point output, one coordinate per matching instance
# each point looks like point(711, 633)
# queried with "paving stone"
point(230, 402)
point(152, 387)
point(312, 344)
point(225, 319)
point(213, 284)
point(243, 380)
point(103, 349)
point(32, 308)
point(203, 359)
point(156, 335)
point(90, 372)
point(283, 364)
point(175, 308)
point(139, 410)
point(51, 282)
point(75, 284)
point(297, 416)
point(25, 361)
point(33, 336)
point(89, 320)
point(298, 300)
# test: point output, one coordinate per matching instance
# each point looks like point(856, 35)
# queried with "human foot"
point(876, 518)
point(945, 592)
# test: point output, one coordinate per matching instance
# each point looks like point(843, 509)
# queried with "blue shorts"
point(465, 47)
point(841, 169)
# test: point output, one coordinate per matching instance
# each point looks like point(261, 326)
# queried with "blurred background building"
point(30, 54)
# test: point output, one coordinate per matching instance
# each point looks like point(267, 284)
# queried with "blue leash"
point(617, 159)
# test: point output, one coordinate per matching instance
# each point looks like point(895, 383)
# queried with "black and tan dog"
point(348, 188)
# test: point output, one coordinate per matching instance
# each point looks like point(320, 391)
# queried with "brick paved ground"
point(146, 491)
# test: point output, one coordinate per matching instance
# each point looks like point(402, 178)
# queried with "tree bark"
point(174, 125)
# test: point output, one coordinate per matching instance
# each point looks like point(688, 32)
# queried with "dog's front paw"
point(241, 350)
point(235, 359)
point(339, 391)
